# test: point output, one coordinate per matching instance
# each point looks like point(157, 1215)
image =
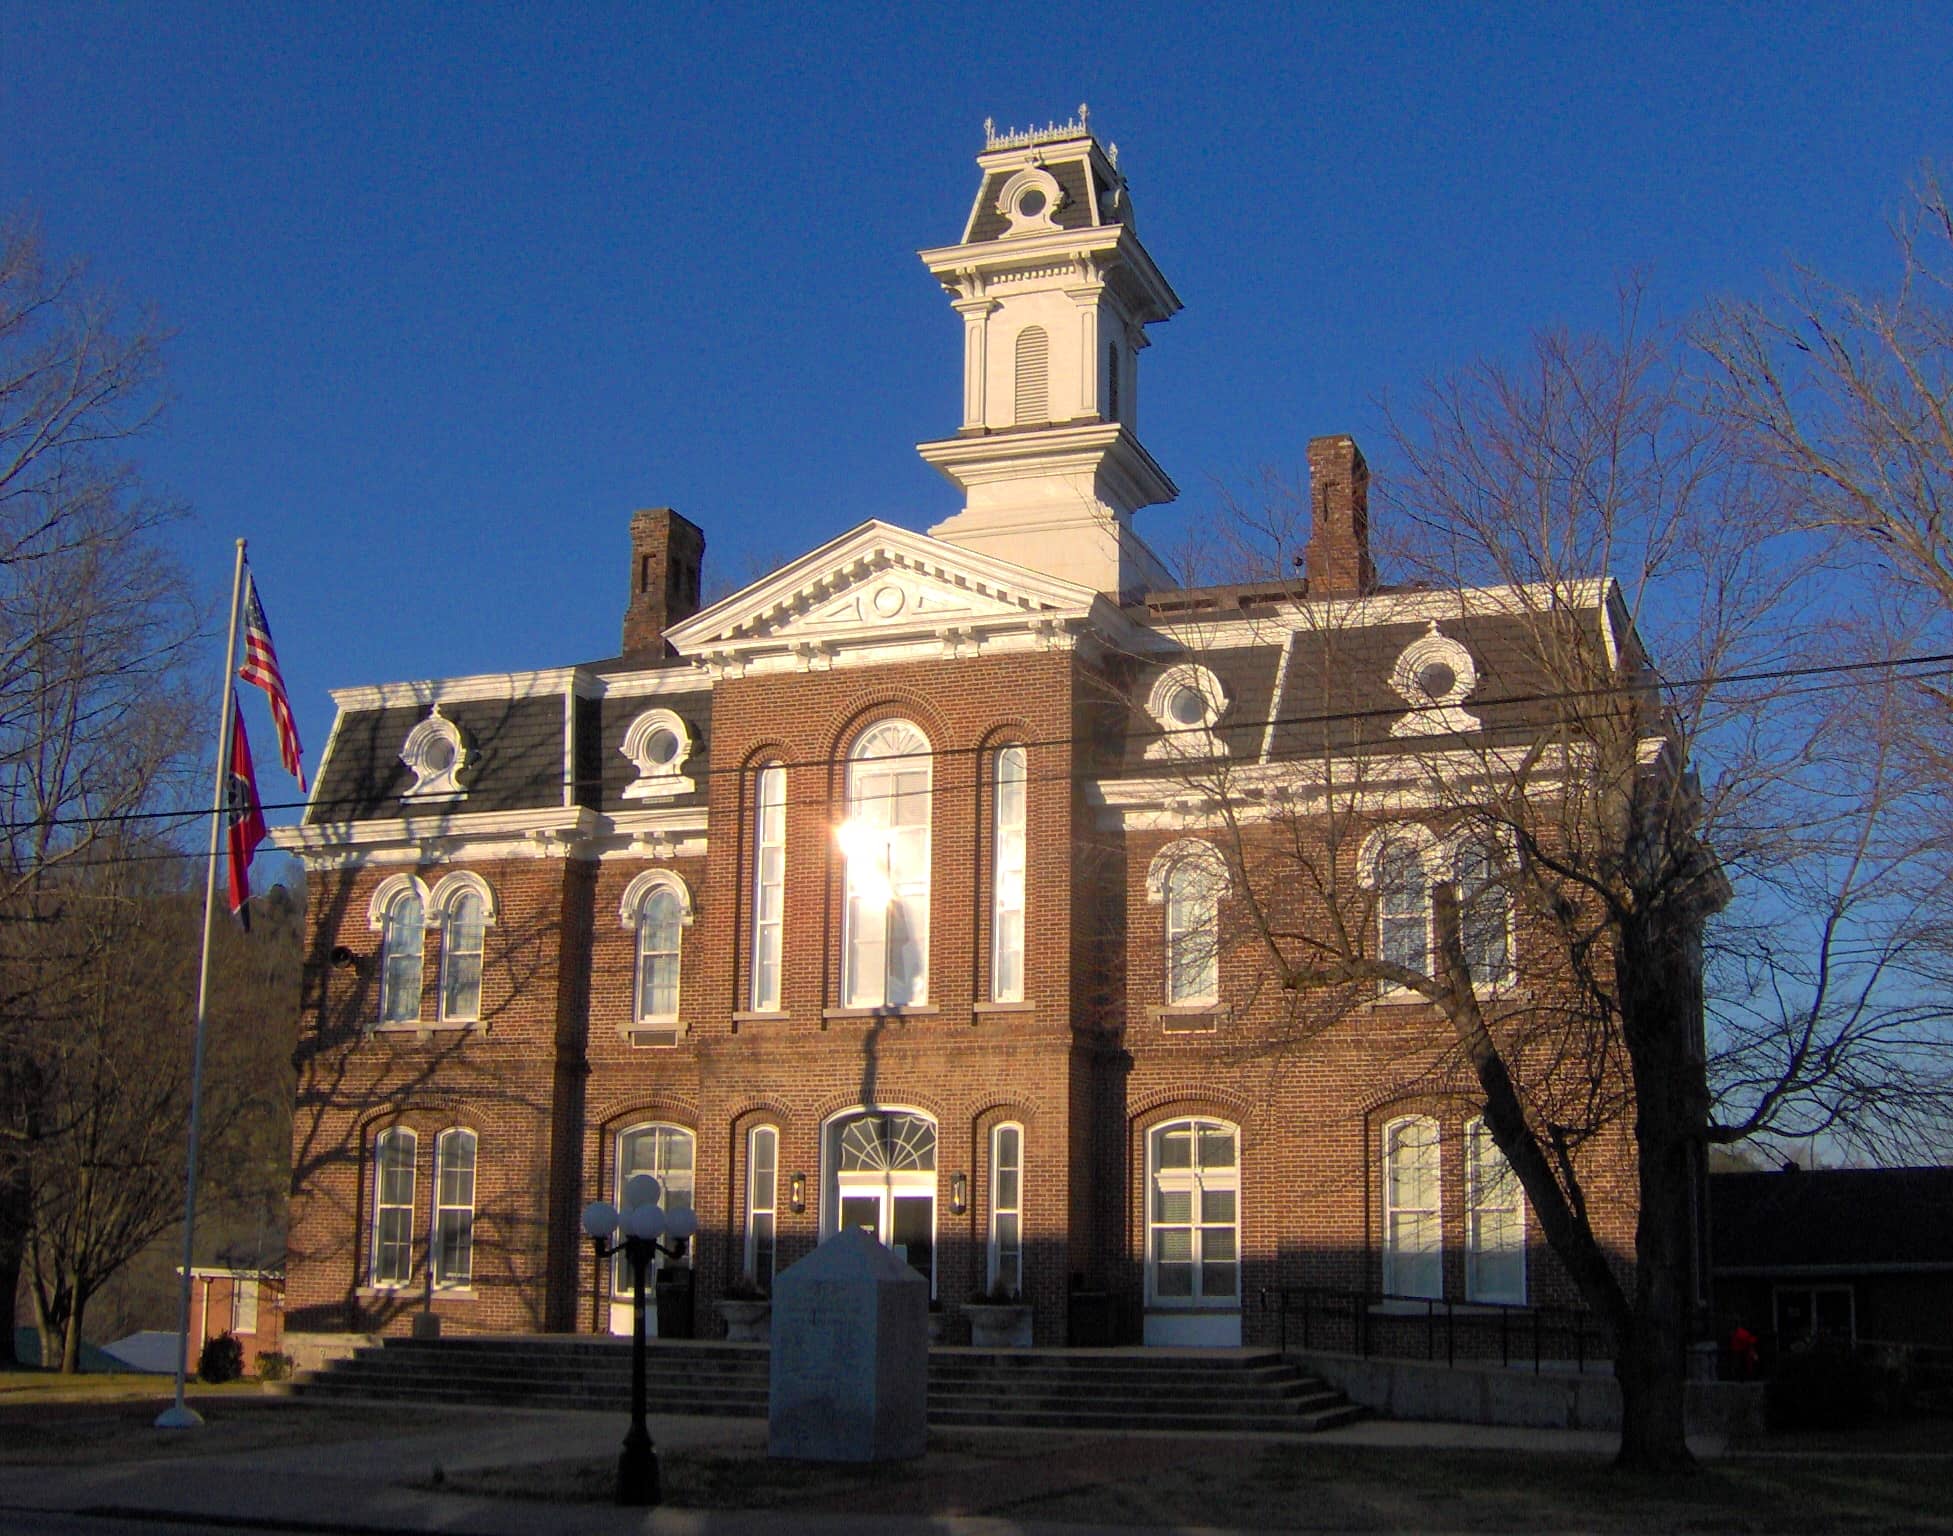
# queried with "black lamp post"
point(642, 1223)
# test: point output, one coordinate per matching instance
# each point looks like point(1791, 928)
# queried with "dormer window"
point(436, 753)
point(1029, 200)
point(658, 743)
point(1187, 701)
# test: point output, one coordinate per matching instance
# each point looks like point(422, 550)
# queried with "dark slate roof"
point(515, 759)
point(1074, 212)
point(1832, 1218)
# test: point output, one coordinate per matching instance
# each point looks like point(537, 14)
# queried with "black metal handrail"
point(1533, 1329)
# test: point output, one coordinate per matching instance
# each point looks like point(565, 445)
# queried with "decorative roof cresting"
point(1017, 138)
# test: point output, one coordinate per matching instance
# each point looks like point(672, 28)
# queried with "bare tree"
point(1585, 834)
point(96, 623)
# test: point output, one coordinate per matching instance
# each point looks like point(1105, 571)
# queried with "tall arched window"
point(1192, 1214)
point(882, 1178)
point(1007, 1208)
point(886, 843)
point(667, 1153)
point(393, 1206)
point(1007, 897)
point(660, 923)
point(1032, 376)
point(453, 1244)
point(463, 932)
point(1495, 1222)
point(402, 939)
point(1403, 906)
point(1484, 914)
point(1413, 1244)
point(769, 885)
point(762, 1203)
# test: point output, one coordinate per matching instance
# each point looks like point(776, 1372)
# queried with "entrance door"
point(665, 1152)
point(883, 1181)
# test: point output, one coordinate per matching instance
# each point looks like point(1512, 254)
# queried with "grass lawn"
point(28, 1384)
point(1156, 1481)
point(91, 1432)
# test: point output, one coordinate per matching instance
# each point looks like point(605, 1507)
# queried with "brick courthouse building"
point(876, 894)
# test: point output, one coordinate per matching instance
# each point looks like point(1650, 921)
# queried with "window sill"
point(424, 1030)
point(886, 1011)
point(1190, 1018)
point(1004, 1008)
point(760, 1016)
point(653, 1034)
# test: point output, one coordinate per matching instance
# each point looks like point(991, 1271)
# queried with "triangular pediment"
point(880, 584)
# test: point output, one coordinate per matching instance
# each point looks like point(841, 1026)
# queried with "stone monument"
point(850, 1355)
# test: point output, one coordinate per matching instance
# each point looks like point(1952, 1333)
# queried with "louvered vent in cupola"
point(1033, 357)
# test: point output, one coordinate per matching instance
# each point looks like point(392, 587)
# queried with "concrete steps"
point(1186, 1391)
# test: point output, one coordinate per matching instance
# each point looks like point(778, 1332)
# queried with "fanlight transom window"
point(888, 1144)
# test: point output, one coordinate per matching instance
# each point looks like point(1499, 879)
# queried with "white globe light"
point(600, 1218)
point(645, 1221)
point(640, 1189)
point(682, 1224)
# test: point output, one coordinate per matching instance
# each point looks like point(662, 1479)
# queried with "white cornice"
point(553, 833)
point(1343, 615)
point(1007, 456)
point(454, 690)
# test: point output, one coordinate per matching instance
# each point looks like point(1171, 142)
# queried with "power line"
point(1833, 672)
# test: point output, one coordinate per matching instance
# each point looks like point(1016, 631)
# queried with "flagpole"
point(180, 1415)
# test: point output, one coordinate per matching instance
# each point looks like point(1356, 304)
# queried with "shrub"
point(1827, 1387)
point(222, 1358)
point(274, 1365)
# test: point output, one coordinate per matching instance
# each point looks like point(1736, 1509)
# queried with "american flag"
point(261, 670)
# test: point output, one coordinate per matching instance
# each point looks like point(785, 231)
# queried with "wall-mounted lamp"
point(343, 957)
point(959, 1193)
point(797, 1193)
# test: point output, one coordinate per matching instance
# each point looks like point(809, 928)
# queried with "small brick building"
point(882, 893)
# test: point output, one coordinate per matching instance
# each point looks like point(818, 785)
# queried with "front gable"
point(879, 592)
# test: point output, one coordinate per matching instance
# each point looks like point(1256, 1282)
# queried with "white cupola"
point(1055, 292)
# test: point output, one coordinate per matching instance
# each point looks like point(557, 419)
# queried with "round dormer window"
point(438, 755)
point(1437, 679)
point(1185, 706)
point(1031, 204)
point(662, 747)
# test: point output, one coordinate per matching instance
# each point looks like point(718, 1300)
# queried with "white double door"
point(897, 1211)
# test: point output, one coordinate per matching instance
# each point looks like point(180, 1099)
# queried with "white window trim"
point(630, 913)
point(412, 1140)
point(656, 780)
point(756, 1207)
point(1439, 857)
point(891, 1182)
point(1434, 713)
point(244, 1305)
point(1500, 851)
point(998, 1208)
point(864, 761)
point(1391, 1262)
point(769, 937)
point(1022, 223)
point(446, 897)
point(1478, 1141)
point(1159, 878)
point(389, 891)
point(620, 1272)
point(449, 1137)
point(432, 780)
point(1198, 1183)
point(1182, 740)
point(1000, 872)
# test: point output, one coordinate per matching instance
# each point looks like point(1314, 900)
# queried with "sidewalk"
point(356, 1486)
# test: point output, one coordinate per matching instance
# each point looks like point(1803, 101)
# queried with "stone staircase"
point(1215, 1391)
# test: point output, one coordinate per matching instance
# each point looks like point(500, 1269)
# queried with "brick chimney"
point(1339, 519)
point(666, 553)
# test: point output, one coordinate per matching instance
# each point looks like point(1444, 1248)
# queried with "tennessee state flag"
point(244, 819)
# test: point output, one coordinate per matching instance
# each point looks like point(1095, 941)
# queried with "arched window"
point(453, 1243)
point(393, 1207)
point(1007, 898)
point(886, 843)
point(1403, 906)
point(882, 1178)
point(762, 1203)
point(666, 1152)
point(769, 885)
point(1007, 1208)
point(1032, 376)
point(1413, 1244)
point(402, 938)
point(463, 932)
point(660, 921)
point(1192, 1215)
point(1495, 1222)
point(1484, 914)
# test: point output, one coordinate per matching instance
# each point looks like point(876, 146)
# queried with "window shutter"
point(1033, 353)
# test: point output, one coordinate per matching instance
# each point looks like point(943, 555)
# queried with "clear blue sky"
point(457, 288)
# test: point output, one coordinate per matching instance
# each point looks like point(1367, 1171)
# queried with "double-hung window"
point(769, 885)
point(762, 1203)
point(1403, 907)
point(1007, 899)
point(392, 1262)
point(886, 843)
point(403, 936)
point(1413, 1246)
point(1007, 1208)
point(1193, 912)
point(463, 931)
point(660, 924)
point(454, 1208)
point(1495, 1222)
point(1193, 1248)
point(1484, 915)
